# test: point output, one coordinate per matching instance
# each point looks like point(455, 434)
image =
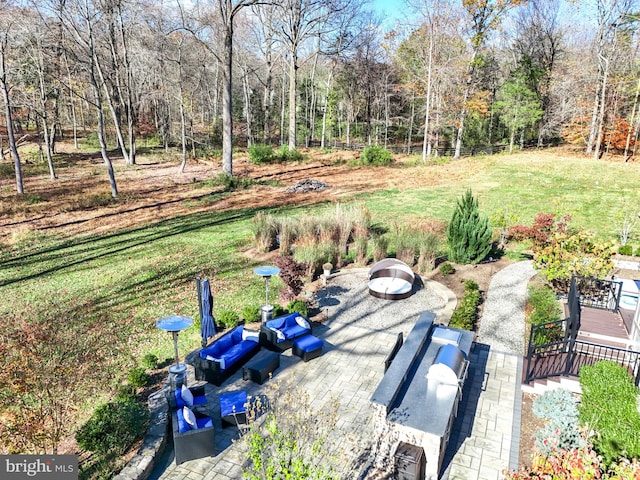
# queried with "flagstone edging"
point(154, 443)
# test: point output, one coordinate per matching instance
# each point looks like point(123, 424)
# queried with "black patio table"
point(260, 366)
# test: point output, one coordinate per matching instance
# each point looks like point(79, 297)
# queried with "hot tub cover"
point(391, 279)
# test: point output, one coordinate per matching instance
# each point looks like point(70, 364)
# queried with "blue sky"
point(391, 10)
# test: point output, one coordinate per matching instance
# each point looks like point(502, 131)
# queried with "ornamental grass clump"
point(264, 227)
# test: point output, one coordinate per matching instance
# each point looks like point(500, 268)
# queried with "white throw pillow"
point(250, 335)
point(218, 360)
point(302, 322)
point(278, 333)
point(190, 417)
point(187, 396)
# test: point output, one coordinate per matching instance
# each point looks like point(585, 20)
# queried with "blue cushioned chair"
point(278, 334)
point(189, 443)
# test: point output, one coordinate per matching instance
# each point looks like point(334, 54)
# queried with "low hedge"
point(465, 314)
point(609, 408)
point(114, 427)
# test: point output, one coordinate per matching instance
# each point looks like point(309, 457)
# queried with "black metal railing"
point(551, 353)
point(586, 353)
point(600, 294)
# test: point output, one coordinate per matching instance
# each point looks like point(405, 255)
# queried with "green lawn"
point(112, 288)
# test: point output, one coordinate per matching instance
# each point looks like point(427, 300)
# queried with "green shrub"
point(465, 314)
point(544, 305)
point(299, 306)
point(250, 313)
point(278, 311)
point(609, 407)
point(545, 311)
point(468, 233)
point(126, 392)
point(230, 183)
point(286, 155)
point(149, 361)
point(261, 154)
point(446, 269)
point(560, 408)
point(625, 249)
point(227, 318)
point(113, 427)
point(571, 254)
point(138, 377)
point(376, 156)
point(470, 286)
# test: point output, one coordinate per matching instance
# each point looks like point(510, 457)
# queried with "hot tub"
point(628, 301)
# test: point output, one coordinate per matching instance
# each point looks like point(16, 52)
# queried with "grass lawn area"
point(103, 292)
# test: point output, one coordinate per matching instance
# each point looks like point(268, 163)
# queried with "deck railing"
point(555, 343)
point(600, 294)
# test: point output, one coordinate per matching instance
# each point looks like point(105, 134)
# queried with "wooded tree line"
point(455, 74)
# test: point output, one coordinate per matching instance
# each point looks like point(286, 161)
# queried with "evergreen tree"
point(468, 233)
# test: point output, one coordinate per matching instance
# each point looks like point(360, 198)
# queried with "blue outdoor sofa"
point(223, 357)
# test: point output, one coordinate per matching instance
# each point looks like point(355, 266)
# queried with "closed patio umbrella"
point(207, 324)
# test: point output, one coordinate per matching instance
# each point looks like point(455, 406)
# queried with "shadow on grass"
point(80, 250)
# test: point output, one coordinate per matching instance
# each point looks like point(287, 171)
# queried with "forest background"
point(449, 77)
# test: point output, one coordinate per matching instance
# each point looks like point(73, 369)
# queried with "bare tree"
point(483, 15)
point(612, 16)
point(7, 26)
point(79, 18)
point(305, 21)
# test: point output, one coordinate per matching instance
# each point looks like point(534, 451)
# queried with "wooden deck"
point(603, 327)
point(597, 328)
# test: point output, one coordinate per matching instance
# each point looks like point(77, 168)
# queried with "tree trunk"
point(227, 93)
point(599, 127)
point(325, 108)
point(293, 85)
point(12, 139)
point(246, 88)
point(9, 119)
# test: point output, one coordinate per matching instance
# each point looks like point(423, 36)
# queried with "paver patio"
point(483, 441)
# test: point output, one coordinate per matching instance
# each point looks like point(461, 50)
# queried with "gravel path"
point(346, 300)
point(502, 322)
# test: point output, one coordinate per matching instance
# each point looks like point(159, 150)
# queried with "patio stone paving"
point(358, 336)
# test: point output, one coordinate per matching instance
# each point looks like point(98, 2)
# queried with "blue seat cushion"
point(219, 347)
point(308, 343)
point(232, 402)
point(197, 399)
point(202, 421)
point(236, 352)
point(294, 331)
